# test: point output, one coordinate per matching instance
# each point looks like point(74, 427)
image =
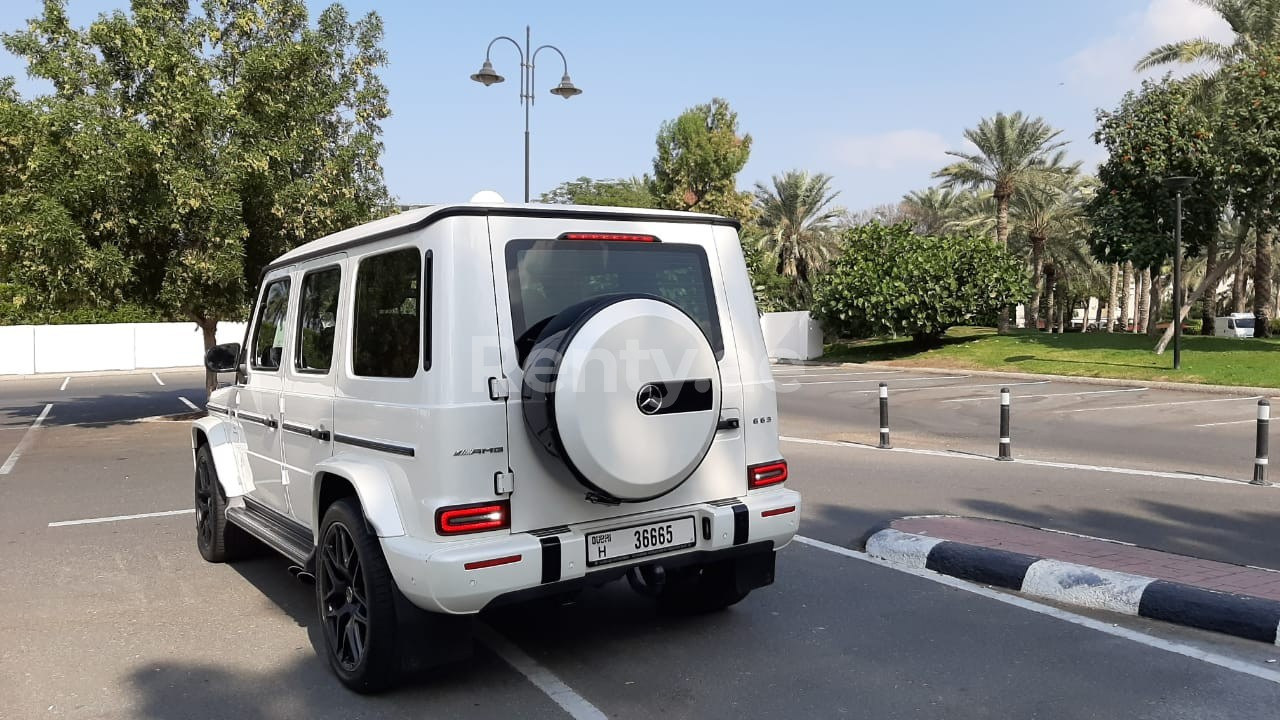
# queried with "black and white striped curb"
point(1244, 616)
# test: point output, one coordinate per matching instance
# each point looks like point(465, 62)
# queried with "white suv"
point(468, 405)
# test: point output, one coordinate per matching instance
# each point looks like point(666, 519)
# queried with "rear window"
point(547, 276)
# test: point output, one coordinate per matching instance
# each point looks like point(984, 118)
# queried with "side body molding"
point(374, 481)
point(233, 472)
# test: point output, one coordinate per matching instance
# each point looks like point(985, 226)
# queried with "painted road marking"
point(157, 377)
point(117, 518)
point(1164, 404)
point(188, 403)
point(1069, 394)
point(1177, 648)
point(1230, 422)
point(944, 387)
point(788, 376)
point(1039, 463)
point(64, 383)
point(845, 382)
point(26, 440)
point(571, 702)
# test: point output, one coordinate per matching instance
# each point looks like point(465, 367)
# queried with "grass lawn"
point(1218, 361)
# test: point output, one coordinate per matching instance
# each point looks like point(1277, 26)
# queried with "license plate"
point(640, 540)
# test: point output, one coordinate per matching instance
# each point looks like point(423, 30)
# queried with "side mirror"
point(222, 358)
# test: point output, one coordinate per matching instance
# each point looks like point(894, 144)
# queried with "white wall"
point(791, 335)
point(17, 349)
point(26, 349)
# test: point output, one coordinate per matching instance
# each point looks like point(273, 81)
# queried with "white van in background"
point(1237, 325)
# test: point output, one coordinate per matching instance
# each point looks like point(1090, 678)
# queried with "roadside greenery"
point(1216, 361)
point(180, 150)
point(888, 280)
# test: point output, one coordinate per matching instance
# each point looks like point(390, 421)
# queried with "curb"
point(1243, 616)
point(1083, 380)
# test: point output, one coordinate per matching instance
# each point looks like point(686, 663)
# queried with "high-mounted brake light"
point(476, 517)
point(612, 237)
point(766, 474)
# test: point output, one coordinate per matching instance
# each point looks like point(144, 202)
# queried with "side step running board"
point(282, 534)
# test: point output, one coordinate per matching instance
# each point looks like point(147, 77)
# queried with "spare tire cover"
point(625, 390)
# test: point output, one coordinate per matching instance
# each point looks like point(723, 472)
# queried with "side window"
point(388, 315)
point(317, 320)
point(268, 336)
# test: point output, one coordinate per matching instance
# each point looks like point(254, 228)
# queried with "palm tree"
point(1045, 211)
point(799, 223)
point(1255, 23)
point(934, 209)
point(1014, 153)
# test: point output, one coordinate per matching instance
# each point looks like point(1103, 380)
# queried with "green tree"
point(889, 280)
point(1249, 144)
point(699, 156)
point(798, 221)
point(1051, 211)
point(1155, 133)
point(625, 192)
point(197, 146)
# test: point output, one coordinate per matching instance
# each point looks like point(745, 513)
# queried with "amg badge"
point(478, 451)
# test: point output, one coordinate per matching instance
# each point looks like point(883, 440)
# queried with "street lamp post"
point(487, 76)
point(1178, 185)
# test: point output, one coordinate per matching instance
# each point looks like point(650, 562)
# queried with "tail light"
point(766, 474)
point(611, 237)
point(476, 517)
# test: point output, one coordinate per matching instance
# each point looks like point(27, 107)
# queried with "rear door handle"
point(320, 434)
point(727, 424)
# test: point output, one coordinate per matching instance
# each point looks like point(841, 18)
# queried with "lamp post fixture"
point(488, 76)
point(1178, 184)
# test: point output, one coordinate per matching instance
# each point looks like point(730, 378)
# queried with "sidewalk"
point(1090, 572)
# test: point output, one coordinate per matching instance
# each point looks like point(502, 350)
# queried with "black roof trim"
point(502, 212)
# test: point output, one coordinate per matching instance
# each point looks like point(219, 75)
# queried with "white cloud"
point(892, 150)
point(1104, 69)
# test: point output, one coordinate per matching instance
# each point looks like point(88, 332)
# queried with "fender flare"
point(374, 482)
point(220, 437)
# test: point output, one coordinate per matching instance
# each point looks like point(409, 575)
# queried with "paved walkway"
point(1105, 554)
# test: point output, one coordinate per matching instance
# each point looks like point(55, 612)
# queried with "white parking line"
point(188, 403)
point(915, 389)
point(117, 518)
point(64, 383)
point(1023, 461)
point(1230, 422)
point(846, 382)
point(157, 377)
point(1177, 648)
point(788, 376)
point(1164, 404)
point(26, 440)
point(1068, 394)
point(571, 702)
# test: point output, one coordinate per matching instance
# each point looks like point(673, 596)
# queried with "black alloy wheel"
point(343, 597)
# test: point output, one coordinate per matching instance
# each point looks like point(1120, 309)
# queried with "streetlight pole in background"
point(487, 76)
point(1178, 185)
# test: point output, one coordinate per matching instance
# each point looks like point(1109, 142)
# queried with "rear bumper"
point(433, 575)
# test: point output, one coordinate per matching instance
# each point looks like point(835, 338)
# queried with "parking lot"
point(1129, 426)
point(111, 613)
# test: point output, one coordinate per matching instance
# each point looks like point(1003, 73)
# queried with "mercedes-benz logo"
point(649, 399)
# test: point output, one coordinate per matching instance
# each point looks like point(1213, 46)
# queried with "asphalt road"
point(122, 619)
point(1133, 426)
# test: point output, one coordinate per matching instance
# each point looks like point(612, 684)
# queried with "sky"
point(873, 93)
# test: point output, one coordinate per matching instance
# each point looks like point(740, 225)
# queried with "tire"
point(356, 598)
point(217, 539)
point(700, 589)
